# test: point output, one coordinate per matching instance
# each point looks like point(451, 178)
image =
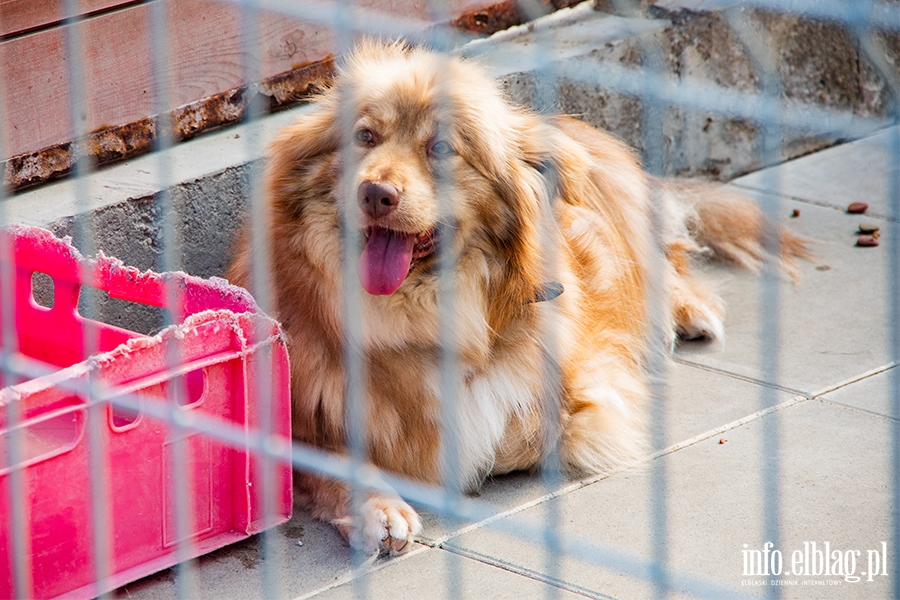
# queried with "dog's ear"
point(295, 152)
point(311, 135)
point(514, 222)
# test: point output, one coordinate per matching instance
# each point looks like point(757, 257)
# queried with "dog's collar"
point(548, 291)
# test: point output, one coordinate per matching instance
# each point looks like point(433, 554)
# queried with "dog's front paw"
point(384, 524)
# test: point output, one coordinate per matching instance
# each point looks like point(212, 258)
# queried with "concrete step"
point(715, 64)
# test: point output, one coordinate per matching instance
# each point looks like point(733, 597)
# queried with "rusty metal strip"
point(503, 15)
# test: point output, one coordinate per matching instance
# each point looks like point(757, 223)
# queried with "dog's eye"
point(364, 136)
point(442, 148)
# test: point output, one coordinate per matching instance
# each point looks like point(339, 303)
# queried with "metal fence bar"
point(546, 101)
point(883, 14)
point(893, 263)
point(450, 386)
point(865, 36)
point(653, 111)
point(348, 19)
point(355, 369)
point(95, 413)
point(863, 31)
point(178, 450)
point(770, 293)
point(16, 519)
point(262, 292)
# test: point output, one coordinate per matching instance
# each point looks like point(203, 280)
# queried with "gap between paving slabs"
point(870, 375)
point(526, 572)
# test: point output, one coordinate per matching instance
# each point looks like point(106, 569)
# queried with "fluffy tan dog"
point(423, 156)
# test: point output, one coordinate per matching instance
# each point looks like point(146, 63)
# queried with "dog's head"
point(428, 150)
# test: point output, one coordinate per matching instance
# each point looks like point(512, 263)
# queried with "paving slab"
point(854, 172)
point(830, 323)
point(324, 573)
point(872, 394)
point(701, 401)
point(832, 463)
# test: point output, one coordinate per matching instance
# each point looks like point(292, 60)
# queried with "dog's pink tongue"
point(385, 261)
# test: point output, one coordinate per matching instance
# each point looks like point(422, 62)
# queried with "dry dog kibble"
point(795, 213)
point(857, 208)
point(868, 228)
point(867, 241)
point(722, 440)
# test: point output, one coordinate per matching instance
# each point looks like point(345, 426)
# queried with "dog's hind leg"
point(603, 426)
point(697, 312)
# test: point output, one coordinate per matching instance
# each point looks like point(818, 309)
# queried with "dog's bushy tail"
point(734, 228)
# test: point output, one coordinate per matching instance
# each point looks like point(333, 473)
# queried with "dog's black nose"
point(377, 198)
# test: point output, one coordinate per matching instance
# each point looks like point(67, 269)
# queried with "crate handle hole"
point(99, 305)
point(42, 439)
point(42, 290)
point(189, 389)
point(123, 418)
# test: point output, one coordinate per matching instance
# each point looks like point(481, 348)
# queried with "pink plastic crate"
point(224, 347)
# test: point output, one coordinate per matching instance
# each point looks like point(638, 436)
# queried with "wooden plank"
point(207, 56)
point(23, 15)
point(116, 82)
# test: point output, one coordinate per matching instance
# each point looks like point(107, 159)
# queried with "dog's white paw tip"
point(384, 525)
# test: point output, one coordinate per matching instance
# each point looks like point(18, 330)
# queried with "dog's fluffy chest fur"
point(413, 392)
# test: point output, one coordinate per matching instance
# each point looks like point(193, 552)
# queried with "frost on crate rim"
point(202, 301)
point(217, 292)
